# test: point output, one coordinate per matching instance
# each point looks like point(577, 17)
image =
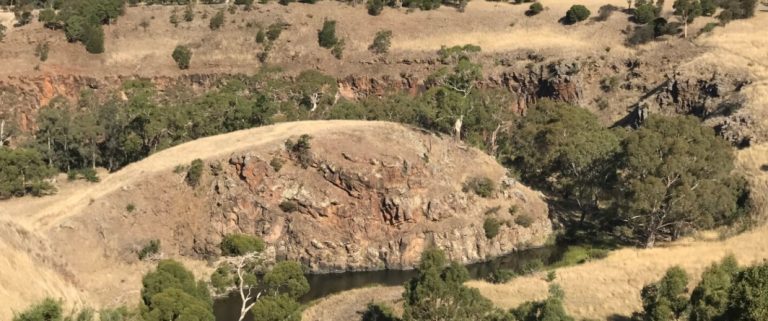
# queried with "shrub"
point(276, 163)
point(500, 276)
point(482, 186)
point(130, 207)
point(152, 248)
point(288, 206)
point(3, 28)
point(708, 27)
point(48, 309)
point(41, 51)
point(524, 220)
point(300, 150)
point(375, 7)
point(605, 12)
point(217, 21)
point(577, 13)
point(381, 42)
point(240, 244)
point(609, 84)
point(645, 13)
point(93, 37)
point(274, 30)
point(189, 14)
point(379, 312)
point(49, 19)
point(338, 49)
point(182, 56)
point(532, 266)
point(327, 35)
point(260, 36)
point(195, 172)
point(491, 227)
point(174, 19)
point(551, 276)
point(534, 9)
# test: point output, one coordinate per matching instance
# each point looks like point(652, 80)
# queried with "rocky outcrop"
point(363, 204)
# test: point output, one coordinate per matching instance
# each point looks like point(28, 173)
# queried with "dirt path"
point(40, 214)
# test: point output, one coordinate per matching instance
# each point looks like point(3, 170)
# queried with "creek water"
point(321, 285)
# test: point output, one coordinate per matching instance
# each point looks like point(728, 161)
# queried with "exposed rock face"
point(366, 204)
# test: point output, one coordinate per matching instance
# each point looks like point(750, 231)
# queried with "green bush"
point(274, 30)
point(94, 39)
point(338, 49)
point(276, 163)
point(240, 244)
point(47, 310)
point(130, 207)
point(189, 13)
point(381, 42)
point(491, 227)
point(375, 7)
point(532, 266)
point(645, 13)
point(379, 312)
point(577, 13)
point(152, 248)
point(300, 150)
point(482, 186)
point(535, 9)
point(551, 276)
point(289, 206)
point(217, 21)
point(500, 276)
point(327, 35)
point(524, 220)
point(182, 56)
point(195, 172)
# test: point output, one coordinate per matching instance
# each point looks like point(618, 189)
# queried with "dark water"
point(321, 285)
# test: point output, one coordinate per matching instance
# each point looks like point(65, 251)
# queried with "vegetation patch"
point(480, 185)
point(151, 249)
point(237, 244)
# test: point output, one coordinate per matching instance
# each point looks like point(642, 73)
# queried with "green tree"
point(168, 275)
point(709, 299)
point(175, 304)
point(564, 149)
point(438, 292)
point(748, 297)
point(276, 308)
point(182, 56)
point(708, 7)
point(667, 299)
point(286, 278)
point(49, 19)
point(577, 13)
point(24, 171)
point(93, 37)
point(327, 35)
point(687, 10)
point(675, 175)
point(645, 13)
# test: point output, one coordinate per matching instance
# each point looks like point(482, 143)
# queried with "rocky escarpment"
point(366, 203)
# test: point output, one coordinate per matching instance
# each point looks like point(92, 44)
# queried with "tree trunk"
point(650, 240)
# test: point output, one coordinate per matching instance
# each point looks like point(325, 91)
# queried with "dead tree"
point(246, 295)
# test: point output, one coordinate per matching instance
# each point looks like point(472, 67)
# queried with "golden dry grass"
point(348, 305)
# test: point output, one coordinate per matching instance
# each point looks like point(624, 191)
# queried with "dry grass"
point(349, 305)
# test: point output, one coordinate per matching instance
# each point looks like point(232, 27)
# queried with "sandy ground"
point(611, 287)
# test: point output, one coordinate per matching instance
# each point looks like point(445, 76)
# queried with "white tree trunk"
point(246, 296)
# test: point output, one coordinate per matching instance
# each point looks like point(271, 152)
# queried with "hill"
point(372, 195)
